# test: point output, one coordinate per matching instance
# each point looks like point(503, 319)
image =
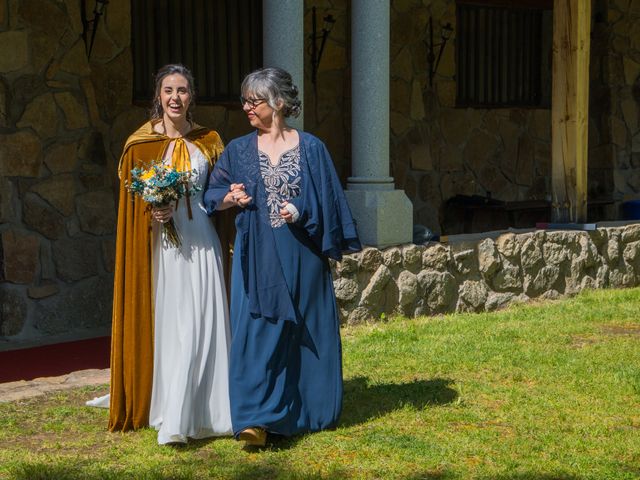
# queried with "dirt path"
point(22, 389)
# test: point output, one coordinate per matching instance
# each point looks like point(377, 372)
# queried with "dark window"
point(220, 41)
point(503, 54)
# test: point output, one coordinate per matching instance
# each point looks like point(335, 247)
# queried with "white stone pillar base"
point(385, 217)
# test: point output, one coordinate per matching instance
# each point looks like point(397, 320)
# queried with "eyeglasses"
point(252, 102)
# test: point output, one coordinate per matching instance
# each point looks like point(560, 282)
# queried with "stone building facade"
point(618, 95)
point(439, 150)
point(64, 119)
point(63, 122)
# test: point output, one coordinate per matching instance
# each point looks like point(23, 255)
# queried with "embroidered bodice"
point(281, 181)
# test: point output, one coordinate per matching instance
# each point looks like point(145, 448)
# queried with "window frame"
point(217, 78)
point(496, 89)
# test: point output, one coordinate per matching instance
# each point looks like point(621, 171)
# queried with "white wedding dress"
point(190, 373)
point(190, 396)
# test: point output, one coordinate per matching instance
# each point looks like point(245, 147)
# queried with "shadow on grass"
point(363, 401)
point(271, 472)
point(67, 470)
point(260, 470)
point(532, 476)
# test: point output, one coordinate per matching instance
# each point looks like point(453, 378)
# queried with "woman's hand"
point(237, 196)
point(289, 213)
point(162, 214)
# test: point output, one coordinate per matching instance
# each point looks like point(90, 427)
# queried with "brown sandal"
point(253, 436)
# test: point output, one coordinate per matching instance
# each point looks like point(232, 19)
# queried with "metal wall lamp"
point(91, 24)
point(432, 60)
point(316, 52)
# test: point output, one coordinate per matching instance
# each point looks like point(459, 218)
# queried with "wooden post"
point(570, 109)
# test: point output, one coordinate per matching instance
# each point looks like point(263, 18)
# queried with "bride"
point(170, 332)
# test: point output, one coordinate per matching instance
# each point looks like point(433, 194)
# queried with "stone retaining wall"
point(484, 275)
point(412, 280)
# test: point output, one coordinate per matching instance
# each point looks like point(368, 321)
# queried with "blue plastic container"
point(631, 210)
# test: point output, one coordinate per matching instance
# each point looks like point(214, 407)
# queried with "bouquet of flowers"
point(159, 185)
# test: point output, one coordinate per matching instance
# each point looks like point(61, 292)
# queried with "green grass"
point(545, 391)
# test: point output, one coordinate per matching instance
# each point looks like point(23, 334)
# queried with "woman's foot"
point(253, 436)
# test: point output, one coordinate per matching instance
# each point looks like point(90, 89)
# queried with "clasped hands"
point(238, 196)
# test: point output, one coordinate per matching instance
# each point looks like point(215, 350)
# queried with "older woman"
point(285, 360)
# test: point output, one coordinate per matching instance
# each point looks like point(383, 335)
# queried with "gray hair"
point(156, 111)
point(273, 84)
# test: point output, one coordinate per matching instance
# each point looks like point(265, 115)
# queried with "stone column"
point(283, 42)
point(384, 214)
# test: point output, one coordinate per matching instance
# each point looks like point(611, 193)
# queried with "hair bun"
point(274, 84)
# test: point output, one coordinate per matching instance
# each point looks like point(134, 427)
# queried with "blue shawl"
point(324, 216)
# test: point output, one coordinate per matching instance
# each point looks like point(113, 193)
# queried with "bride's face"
point(175, 96)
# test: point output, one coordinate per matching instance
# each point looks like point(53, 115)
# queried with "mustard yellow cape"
point(132, 323)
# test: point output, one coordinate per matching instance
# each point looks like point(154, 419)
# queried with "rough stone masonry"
point(484, 275)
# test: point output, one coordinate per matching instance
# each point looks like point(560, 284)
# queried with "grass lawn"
point(544, 391)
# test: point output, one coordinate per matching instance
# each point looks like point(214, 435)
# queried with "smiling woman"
point(285, 372)
point(170, 315)
point(174, 96)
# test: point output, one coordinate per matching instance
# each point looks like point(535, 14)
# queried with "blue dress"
point(285, 365)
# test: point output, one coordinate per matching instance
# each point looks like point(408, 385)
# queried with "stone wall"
point(57, 208)
point(327, 103)
point(620, 146)
point(484, 275)
point(439, 150)
point(64, 119)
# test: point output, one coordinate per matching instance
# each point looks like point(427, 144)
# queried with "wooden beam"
point(570, 109)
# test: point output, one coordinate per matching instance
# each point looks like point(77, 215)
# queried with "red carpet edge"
point(55, 359)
